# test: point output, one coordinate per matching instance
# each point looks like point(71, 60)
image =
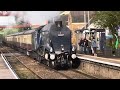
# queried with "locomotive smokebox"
point(58, 23)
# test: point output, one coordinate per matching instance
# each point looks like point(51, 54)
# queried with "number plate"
point(60, 35)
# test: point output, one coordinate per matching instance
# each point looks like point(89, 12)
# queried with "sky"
point(34, 17)
point(40, 17)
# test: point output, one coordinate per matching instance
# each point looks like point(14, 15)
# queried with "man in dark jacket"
point(81, 44)
point(85, 46)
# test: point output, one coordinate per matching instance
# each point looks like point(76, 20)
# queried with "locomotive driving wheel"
point(76, 63)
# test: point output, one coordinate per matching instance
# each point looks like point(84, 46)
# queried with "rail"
point(10, 67)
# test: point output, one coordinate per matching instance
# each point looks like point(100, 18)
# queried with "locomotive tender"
point(49, 44)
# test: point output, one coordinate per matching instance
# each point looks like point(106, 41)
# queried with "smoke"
point(19, 15)
point(35, 17)
point(40, 17)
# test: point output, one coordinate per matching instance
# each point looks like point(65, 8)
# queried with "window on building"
point(18, 39)
point(64, 19)
point(78, 19)
point(24, 40)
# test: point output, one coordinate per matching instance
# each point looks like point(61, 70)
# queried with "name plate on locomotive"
point(60, 34)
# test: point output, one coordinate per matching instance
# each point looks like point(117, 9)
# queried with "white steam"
point(40, 17)
point(35, 17)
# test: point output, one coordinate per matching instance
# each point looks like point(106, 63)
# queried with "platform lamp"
point(89, 22)
point(85, 18)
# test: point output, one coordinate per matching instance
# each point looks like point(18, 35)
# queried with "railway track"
point(27, 68)
point(20, 61)
point(74, 74)
point(18, 67)
point(84, 75)
point(66, 74)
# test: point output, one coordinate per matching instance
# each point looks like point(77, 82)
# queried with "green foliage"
point(10, 31)
point(108, 19)
point(23, 23)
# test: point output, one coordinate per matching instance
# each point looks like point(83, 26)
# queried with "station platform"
point(108, 61)
point(5, 71)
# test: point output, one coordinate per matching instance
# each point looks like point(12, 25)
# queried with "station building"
point(76, 20)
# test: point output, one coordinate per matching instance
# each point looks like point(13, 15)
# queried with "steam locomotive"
point(49, 44)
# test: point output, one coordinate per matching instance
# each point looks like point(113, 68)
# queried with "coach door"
point(35, 40)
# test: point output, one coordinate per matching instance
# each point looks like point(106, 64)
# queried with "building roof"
point(65, 13)
point(78, 16)
point(76, 13)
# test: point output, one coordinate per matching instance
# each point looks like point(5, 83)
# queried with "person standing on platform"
point(89, 46)
point(85, 46)
point(81, 44)
point(93, 46)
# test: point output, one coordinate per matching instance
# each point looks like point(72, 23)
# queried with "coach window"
point(24, 40)
point(18, 39)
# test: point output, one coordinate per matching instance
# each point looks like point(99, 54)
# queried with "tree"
point(110, 20)
point(24, 26)
point(21, 22)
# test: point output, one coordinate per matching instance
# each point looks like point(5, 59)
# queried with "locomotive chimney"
point(58, 23)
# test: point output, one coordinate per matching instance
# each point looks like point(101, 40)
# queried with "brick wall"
point(73, 27)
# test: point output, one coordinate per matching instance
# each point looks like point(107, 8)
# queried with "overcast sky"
point(39, 17)
point(34, 17)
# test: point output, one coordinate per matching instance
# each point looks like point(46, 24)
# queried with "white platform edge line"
point(109, 63)
point(102, 58)
point(9, 67)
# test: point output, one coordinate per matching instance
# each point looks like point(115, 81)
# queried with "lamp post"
point(88, 13)
point(53, 20)
point(88, 18)
point(85, 18)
